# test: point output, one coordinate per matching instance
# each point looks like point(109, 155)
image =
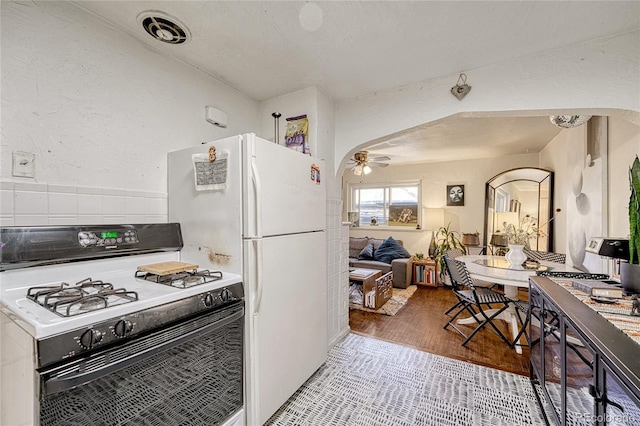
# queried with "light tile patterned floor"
point(368, 382)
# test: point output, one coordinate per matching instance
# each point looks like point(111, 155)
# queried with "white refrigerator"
point(259, 210)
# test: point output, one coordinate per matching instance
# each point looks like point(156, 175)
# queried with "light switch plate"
point(23, 164)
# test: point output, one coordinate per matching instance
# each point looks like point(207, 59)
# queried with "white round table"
point(496, 269)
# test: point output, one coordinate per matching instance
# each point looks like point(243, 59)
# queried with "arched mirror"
point(523, 198)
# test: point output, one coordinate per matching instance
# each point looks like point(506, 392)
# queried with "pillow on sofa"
point(356, 245)
point(390, 249)
point(367, 252)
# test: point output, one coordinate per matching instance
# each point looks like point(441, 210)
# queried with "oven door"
point(186, 374)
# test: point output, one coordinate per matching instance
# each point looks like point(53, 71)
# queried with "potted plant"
point(446, 239)
point(630, 272)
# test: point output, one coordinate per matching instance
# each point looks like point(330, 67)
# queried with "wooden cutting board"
point(166, 268)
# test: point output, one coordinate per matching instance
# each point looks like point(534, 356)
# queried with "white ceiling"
point(355, 48)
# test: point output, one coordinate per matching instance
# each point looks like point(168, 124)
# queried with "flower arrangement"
point(527, 229)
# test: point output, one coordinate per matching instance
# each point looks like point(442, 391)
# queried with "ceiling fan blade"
point(362, 158)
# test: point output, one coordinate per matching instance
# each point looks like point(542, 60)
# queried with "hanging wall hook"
point(461, 88)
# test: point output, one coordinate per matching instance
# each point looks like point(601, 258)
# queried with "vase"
point(433, 248)
point(630, 277)
point(515, 256)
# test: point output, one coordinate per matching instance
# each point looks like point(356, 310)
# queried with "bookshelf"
point(425, 272)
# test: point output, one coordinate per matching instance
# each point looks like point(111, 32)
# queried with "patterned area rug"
point(368, 382)
point(398, 300)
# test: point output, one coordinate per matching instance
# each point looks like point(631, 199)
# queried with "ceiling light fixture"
point(569, 121)
point(359, 170)
point(362, 163)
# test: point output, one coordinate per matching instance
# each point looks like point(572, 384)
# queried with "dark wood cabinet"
point(584, 370)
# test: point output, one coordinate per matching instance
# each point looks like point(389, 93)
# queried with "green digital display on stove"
point(108, 235)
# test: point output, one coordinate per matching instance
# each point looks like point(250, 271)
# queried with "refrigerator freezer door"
point(211, 220)
point(287, 318)
point(282, 198)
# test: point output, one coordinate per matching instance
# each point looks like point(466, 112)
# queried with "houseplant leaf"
point(445, 240)
point(634, 211)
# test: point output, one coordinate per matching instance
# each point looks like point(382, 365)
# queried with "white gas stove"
point(42, 323)
point(97, 317)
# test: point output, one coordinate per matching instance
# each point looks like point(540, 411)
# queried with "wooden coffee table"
point(378, 288)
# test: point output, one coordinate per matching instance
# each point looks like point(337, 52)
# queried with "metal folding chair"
point(475, 301)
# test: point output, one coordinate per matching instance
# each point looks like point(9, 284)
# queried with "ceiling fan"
point(362, 162)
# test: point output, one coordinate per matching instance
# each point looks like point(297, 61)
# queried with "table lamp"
point(499, 240)
point(434, 219)
point(470, 239)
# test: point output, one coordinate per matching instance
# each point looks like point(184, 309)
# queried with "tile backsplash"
point(32, 204)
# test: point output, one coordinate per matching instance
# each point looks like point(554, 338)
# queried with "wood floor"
point(419, 324)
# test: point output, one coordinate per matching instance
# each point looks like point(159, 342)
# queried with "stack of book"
point(599, 288)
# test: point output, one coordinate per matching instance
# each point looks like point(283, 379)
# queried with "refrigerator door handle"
point(257, 186)
point(258, 294)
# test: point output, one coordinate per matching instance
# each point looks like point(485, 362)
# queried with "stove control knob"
point(90, 338)
point(226, 295)
point(122, 328)
point(209, 300)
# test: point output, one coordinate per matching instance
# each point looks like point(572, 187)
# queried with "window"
point(502, 200)
point(391, 205)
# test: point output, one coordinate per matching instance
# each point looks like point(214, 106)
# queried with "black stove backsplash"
point(22, 246)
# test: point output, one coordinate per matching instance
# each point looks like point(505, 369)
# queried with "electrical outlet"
point(23, 164)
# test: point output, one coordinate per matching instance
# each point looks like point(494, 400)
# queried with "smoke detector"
point(163, 27)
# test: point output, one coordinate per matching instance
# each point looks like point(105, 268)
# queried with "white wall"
point(96, 106)
point(435, 177)
point(289, 105)
point(623, 146)
point(597, 74)
point(554, 157)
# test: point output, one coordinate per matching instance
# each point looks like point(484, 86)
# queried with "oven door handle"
point(68, 381)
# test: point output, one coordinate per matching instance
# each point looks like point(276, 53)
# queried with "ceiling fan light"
point(569, 121)
point(358, 170)
point(366, 169)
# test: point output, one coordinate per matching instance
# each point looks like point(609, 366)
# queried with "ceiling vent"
point(163, 27)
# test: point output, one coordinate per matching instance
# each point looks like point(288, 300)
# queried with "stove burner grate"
point(183, 279)
point(85, 296)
